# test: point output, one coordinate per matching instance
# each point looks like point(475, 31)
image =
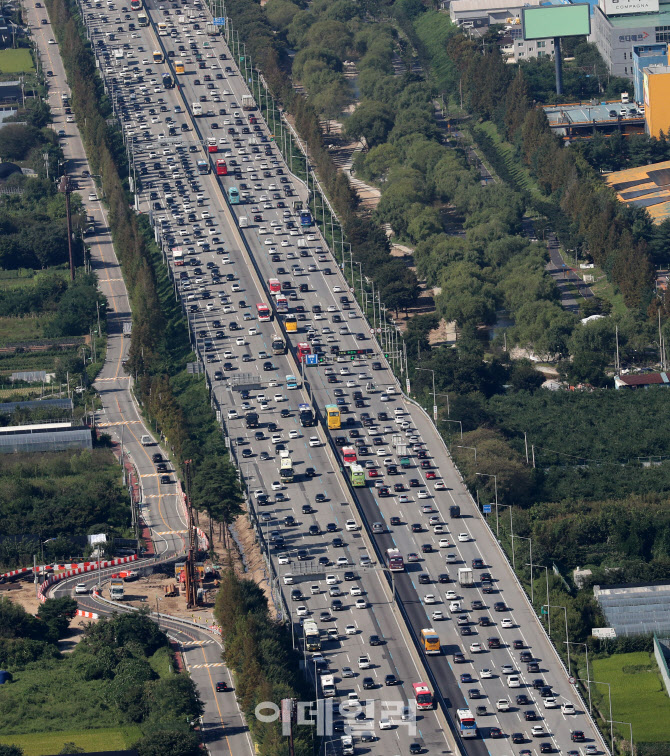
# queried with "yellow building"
point(656, 83)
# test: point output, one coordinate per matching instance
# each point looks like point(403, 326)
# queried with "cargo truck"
point(248, 102)
point(127, 329)
point(116, 589)
point(328, 686)
point(454, 510)
point(212, 30)
point(466, 578)
point(203, 166)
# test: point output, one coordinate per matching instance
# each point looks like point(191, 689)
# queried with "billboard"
point(548, 21)
point(624, 7)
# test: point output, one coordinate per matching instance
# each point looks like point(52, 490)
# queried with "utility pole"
point(65, 188)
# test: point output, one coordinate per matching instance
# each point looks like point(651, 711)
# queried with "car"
point(80, 589)
point(522, 700)
point(412, 557)
point(495, 732)
point(443, 577)
point(361, 604)
point(474, 693)
point(476, 648)
point(350, 630)
point(530, 715)
point(52, 42)
point(463, 537)
point(369, 683)
point(486, 674)
point(481, 711)
point(221, 686)
point(415, 747)
point(577, 736)
point(301, 611)
point(507, 623)
point(537, 731)
point(391, 679)
point(347, 672)
point(502, 704)
point(590, 750)
point(429, 598)
point(351, 525)
point(444, 543)
point(364, 662)
point(547, 748)
point(518, 737)
point(384, 723)
point(507, 669)
point(549, 702)
point(314, 441)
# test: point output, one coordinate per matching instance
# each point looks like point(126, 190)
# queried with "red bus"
point(423, 695)
point(275, 286)
point(263, 312)
point(212, 147)
point(281, 302)
point(221, 167)
point(395, 561)
point(135, 5)
point(304, 348)
point(349, 455)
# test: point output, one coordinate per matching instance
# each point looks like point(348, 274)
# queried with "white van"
point(288, 579)
point(147, 441)
point(244, 221)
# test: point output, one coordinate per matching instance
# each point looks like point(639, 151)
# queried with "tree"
point(371, 121)
point(16, 141)
point(216, 490)
point(280, 13)
point(57, 613)
point(10, 750)
point(330, 35)
point(69, 748)
point(168, 743)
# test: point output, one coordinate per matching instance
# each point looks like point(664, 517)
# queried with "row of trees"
point(109, 675)
point(159, 348)
point(266, 668)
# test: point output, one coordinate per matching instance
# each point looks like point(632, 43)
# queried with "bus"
point(305, 218)
point(167, 81)
point(430, 641)
point(274, 285)
point(221, 167)
point(233, 196)
point(178, 256)
point(278, 346)
point(291, 382)
point(291, 323)
point(135, 5)
point(286, 470)
point(179, 67)
point(423, 696)
point(357, 475)
point(395, 561)
point(143, 19)
point(212, 145)
point(349, 455)
point(263, 311)
point(466, 723)
point(333, 417)
point(162, 29)
point(158, 56)
point(304, 348)
point(312, 635)
point(196, 109)
point(282, 304)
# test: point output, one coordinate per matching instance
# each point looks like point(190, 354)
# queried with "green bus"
point(357, 475)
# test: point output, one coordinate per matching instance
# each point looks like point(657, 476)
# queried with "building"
point(647, 186)
point(478, 15)
point(44, 437)
point(656, 87)
point(643, 56)
point(642, 380)
point(635, 608)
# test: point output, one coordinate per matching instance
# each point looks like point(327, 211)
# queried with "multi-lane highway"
point(223, 726)
point(222, 256)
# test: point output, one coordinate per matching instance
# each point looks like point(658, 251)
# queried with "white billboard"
point(625, 7)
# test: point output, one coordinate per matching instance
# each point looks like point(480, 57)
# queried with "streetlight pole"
point(474, 449)
point(444, 420)
point(610, 720)
point(616, 721)
point(447, 397)
point(546, 576)
point(567, 637)
point(429, 370)
point(495, 483)
point(511, 526)
point(586, 648)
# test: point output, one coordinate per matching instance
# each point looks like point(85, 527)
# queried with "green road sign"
point(544, 610)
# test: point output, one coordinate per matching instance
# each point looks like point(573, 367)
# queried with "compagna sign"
point(626, 7)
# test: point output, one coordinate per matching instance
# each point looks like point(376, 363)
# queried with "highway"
point(163, 512)
point(220, 288)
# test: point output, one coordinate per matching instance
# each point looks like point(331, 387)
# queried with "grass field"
point(16, 61)
point(23, 329)
point(638, 695)
point(107, 739)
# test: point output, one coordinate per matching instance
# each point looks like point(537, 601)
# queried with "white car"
point(507, 622)
point(429, 598)
point(331, 580)
point(356, 590)
point(258, 492)
point(52, 41)
point(276, 439)
point(232, 414)
point(440, 486)
point(364, 662)
point(439, 529)
point(550, 703)
point(507, 669)
point(463, 537)
point(337, 289)
point(423, 494)
point(502, 704)
point(437, 615)
point(568, 708)
point(276, 485)
point(486, 674)
point(342, 561)
point(381, 452)
point(384, 723)
point(537, 731)
point(476, 648)
point(240, 341)
point(301, 611)
point(351, 525)
point(314, 441)
point(293, 434)
point(80, 589)
point(92, 197)
point(361, 604)
point(514, 681)
point(451, 596)
point(444, 543)
point(283, 559)
point(350, 630)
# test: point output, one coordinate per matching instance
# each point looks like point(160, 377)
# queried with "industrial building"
point(646, 186)
point(44, 437)
point(635, 609)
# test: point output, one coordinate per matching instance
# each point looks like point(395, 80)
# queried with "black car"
point(395, 520)
point(391, 680)
point(424, 578)
point(310, 472)
point(577, 736)
point(369, 683)
point(530, 715)
point(474, 693)
point(484, 621)
point(349, 576)
point(532, 667)
point(415, 748)
point(375, 640)
point(302, 555)
point(331, 527)
point(221, 686)
point(495, 732)
point(522, 700)
point(546, 748)
point(320, 498)
point(417, 527)
point(518, 644)
point(518, 737)
point(165, 479)
point(443, 577)
point(459, 657)
point(499, 606)
point(338, 542)
point(336, 605)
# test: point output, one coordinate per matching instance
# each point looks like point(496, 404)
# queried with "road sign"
point(572, 680)
point(435, 412)
point(407, 384)
point(219, 21)
point(544, 610)
point(311, 359)
point(486, 508)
